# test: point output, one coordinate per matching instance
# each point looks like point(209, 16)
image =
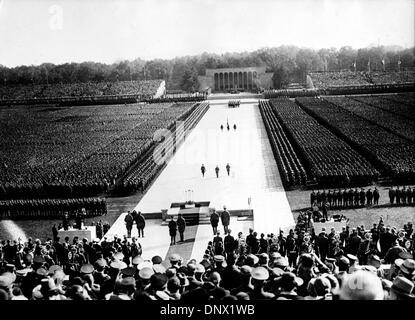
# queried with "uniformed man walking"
point(203, 169)
point(228, 168)
point(225, 217)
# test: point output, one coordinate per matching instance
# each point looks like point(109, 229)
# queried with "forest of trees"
point(289, 63)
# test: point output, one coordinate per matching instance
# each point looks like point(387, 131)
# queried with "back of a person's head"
point(3, 295)
point(322, 286)
point(173, 284)
point(361, 285)
point(141, 296)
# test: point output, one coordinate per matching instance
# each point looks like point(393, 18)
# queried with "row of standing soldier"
point(345, 198)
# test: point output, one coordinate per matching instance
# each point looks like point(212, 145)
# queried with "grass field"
point(394, 216)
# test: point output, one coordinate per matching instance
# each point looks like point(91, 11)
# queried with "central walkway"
point(253, 183)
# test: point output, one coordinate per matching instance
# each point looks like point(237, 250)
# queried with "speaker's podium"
point(193, 212)
point(88, 232)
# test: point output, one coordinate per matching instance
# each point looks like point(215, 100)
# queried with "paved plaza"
point(254, 181)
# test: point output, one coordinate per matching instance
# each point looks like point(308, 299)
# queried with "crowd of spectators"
point(301, 265)
point(145, 88)
point(324, 80)
point(392, 77)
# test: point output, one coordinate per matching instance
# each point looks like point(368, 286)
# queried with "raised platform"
point(88, 232)
point(194, 213)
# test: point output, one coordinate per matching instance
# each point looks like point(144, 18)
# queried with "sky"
point(59, 31)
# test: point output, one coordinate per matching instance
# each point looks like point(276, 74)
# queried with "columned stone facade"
point(241, 79)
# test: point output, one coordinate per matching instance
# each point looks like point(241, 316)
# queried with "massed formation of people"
point(51, 208)
point(394, 154)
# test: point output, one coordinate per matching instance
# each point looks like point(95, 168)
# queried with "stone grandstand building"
point(241, 79)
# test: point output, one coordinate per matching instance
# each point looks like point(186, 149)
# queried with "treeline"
point(289, 64)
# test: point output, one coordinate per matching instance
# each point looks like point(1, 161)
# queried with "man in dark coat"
point(318, 198)
point(226, 218)
point(403, 195)
point(214, 221)
point(129, 221)
point(229, 243)
point(369, 197)
point(181, 226)
point(203, 170)
point(362, 197)
point(330, 198)
point(312, 198)
point(228, 169)
point(392, 195)
point(350, 198)
point(141, 223)
point(323, 197)
point(65, 221)
point(398, 195)
point(217, 171)
point(356, 197)
point(323, 244)
point(376, 196)
point(172, 231)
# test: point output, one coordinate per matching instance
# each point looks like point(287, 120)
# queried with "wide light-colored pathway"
point(254, 180)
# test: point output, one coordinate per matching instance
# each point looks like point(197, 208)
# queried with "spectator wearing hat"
point(402, 289)
point(259, 277)
point(353, 263)
point(407, 269)
point(245, 285)
point(286, 286)
point(219, 262)
point(231, 274)
point(181, 226)
point(172, 231)
point(175, 261)
point(158, 287)
point(140, 223)
point(393, 252)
